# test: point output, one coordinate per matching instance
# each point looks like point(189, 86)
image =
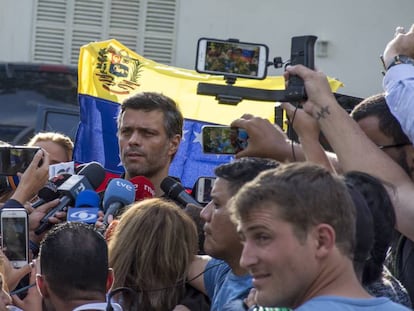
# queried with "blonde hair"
point(151, 251)
point(62, 140)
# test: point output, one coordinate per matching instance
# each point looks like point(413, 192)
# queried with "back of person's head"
point(58, 138)
point(242, 170)
point(304, 195)
point(384, 219)
point(376, 106)
point(150, 101)
point(74, 261)
point(150, 252)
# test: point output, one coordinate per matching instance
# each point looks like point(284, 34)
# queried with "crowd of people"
point(289, 226)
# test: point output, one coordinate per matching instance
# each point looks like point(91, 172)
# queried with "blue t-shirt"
point(336, 303)
point(223, 286)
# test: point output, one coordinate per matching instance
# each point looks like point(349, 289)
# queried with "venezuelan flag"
point(110, 72)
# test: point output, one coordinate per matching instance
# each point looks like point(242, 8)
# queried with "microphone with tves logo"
point(143, 188)
point(90, 177)
point(174, 190)
point(86, 207)
point(119, 193)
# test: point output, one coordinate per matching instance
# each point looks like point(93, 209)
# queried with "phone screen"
point(239, 59)
point(14, 159)
point(223, 139)
point(14, 238)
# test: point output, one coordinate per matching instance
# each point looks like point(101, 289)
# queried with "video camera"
point(234, 59)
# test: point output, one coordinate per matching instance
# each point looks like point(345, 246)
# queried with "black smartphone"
point(14, 159)
point(223, 139)
point(232, 58)
point(14, 235)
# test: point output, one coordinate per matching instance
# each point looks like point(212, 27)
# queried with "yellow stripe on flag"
point(111, 71)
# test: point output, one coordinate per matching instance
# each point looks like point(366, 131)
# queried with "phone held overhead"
point(219, 139)
point(15, 159)
point(234, 59)
point(231, 57)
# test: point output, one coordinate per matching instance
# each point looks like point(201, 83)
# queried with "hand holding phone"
point(34, 178)
point(15, 236)
point(223, 139)
point(16, 159)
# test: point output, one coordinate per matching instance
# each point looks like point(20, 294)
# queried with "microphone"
point(49, 192)
point(94, 172)
point(174, 190)
point(90, 177)
point(143, 188)
point(87, 198)
point(86, 207)
point(119, 193)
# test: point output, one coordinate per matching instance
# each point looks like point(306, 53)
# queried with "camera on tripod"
point(234, 59)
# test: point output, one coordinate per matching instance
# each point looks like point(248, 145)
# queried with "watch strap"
point(400, 59)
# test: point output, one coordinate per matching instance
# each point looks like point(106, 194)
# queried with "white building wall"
point(16, 27)
point(357, 31)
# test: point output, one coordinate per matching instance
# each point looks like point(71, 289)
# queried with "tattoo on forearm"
point(322, 113)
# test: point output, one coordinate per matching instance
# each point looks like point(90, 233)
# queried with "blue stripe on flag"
point(96, 140)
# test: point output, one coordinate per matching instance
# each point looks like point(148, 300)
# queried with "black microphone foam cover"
point(94, 173)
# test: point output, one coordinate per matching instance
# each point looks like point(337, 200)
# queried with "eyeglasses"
point(393, 146)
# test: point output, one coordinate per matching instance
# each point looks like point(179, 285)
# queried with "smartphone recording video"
point(14, 159)
point(223, 139)
point(232, 58)
point(14, 236)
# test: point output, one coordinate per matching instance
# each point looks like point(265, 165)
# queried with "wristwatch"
point(400, 59)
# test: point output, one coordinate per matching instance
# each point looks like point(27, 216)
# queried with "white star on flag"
point(198, 138)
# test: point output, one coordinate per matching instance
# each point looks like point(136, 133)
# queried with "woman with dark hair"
point(374, 275)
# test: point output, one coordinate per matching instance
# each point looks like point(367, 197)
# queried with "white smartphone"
point(232, 58)
point(15, 235)
point(203, 188)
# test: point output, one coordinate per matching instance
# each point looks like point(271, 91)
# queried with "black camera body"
point(302, 53)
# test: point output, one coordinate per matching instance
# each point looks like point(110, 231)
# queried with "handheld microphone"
point(90, 177)
point(50, 191)
point(119, 193)
point(143, 188)
point(174, 190)
point(94, 172)
point(86, 207)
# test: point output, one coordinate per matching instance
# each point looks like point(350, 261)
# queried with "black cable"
point(21, 290)
point(290, 133)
